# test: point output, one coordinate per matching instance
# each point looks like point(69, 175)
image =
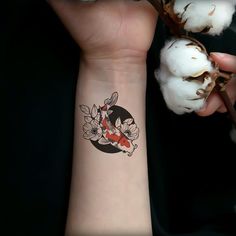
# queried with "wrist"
point(124, 66)
point(103, 76)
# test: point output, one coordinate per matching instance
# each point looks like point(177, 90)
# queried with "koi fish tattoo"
point(110, 128)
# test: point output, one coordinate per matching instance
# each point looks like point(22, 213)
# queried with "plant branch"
point(169, 22)
point(229, 106)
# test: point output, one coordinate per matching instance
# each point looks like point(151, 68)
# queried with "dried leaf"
point(85, 109)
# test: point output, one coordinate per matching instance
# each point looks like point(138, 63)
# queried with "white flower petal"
point(136, 131)
point(129, 121)
point(118, 122)
point(133, 127)
point(85, 109)
point(96, 137)
point(134, 136)
point(124, 127)
point(99, 131)
point(94, 124)
point(88, 135)
point(94, 111)
point(88, 119)
point(87, 127)
point(97, 118)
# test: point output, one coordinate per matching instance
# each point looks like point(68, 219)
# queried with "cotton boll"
point(163, 74)
point(185, 82)
point(204, 15)
point(181, 95)
point(184, 59)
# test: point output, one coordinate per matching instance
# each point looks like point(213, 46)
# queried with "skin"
point(109, 29)
point(109, 192)
point(214, 104)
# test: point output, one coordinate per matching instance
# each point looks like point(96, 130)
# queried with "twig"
point(229, 106)
point(158, 5)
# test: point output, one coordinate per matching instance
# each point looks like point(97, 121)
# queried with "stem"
point(158, 5)
point(226, 76)
point(232, 113)
point(220, 88)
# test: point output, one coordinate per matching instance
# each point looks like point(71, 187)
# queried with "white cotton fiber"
point(200, 14)
point(183, 59)
point(181, 94)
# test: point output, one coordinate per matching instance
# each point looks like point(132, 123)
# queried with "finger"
point(222, 109)
point(213, 103)
point(231, 91)
point(225, 61)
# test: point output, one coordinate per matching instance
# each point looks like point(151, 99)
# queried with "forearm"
point(109, 194)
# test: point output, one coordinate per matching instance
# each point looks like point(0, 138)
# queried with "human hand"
point(214, 103)
point(114, 29)
point(114, 37)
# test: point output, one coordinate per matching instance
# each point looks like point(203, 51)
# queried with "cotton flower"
point(209, 16)
point(184, 58)
point(92, 131)
point(185, 75)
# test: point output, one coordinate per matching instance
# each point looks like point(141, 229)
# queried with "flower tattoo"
point(109, 127)
point(92, 131)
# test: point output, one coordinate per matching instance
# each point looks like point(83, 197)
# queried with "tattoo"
point(109, 127)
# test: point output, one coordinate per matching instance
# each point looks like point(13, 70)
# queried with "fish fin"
point(103, 141)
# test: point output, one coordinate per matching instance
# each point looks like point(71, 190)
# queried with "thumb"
point(225, 61)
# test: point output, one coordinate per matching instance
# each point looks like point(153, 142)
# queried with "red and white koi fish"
point(112, 133)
